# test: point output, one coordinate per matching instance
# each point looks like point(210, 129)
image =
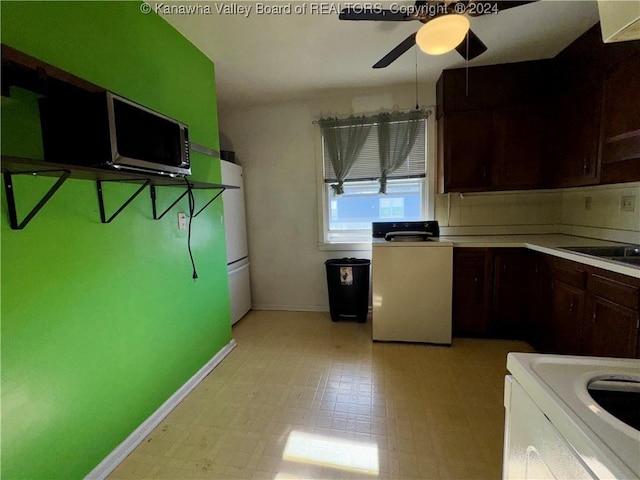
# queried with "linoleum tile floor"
point(301, 397)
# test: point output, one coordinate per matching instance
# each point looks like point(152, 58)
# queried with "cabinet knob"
point(571, 306)
point(585, 166)
point(484, 172)
point(475, 280)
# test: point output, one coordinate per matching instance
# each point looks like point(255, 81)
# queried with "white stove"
point(558, 420)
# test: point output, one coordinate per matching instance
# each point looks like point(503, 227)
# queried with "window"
point(347, 216)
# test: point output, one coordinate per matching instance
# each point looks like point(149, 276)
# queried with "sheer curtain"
point(343, 140)
point(397, 133)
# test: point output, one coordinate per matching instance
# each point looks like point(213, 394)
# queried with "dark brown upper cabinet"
point(467, 138)
point(620, 133)
point(492, 127)
point(569, 121)
point(519, 147)
point(597, 125)
point(577, 111)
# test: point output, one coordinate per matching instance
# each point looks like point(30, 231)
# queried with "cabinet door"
point(575, 161)
point(471, 291)
point(564, 331)
point(510, 292)
point(610, 330)
point(621, 123)
point(467, 138)
point(539, 298)
point(520, 147)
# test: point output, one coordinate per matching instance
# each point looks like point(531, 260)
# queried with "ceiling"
point(269, 57)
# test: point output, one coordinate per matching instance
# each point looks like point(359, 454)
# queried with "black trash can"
point(348, 284)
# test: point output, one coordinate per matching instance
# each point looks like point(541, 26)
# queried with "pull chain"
point(416, 56)
point(467, 67)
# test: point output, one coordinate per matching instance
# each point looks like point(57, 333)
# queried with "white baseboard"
point(290, 308)
point(117, 456)
point(295, 308)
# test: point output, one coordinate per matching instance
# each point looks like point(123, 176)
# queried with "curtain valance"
point(354, 150)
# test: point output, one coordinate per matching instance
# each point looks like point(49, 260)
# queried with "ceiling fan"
point(445, 26)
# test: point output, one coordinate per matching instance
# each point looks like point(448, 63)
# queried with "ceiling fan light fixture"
point(442, 34)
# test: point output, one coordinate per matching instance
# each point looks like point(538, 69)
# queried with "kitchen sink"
point(624, 254)
point(629, 260)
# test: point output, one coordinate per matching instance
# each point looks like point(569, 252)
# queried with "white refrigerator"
point(235, 226)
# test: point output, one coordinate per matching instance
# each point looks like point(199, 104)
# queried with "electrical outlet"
point(182, 221)
point(587, 203)
point(628, 203)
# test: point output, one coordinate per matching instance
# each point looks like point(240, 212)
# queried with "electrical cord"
point(192, 208)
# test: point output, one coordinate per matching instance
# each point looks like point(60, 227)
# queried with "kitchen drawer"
point(623, 294)
point(569, 273)
point(471, 257)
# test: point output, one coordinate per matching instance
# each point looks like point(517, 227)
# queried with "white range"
point(571, 418)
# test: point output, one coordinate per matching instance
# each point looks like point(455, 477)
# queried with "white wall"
point(279, 147)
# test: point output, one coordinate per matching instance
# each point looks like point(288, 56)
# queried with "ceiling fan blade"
point(394, 54)
point(491, 6)
point(472, 48)
point(374, 14)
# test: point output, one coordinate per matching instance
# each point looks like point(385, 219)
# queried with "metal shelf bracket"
point(11, 201)
point(222, 189)
point(182, 195)
point(153, 203)
point(103, 216)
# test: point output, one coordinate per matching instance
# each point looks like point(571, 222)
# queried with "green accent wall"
point(102, 323)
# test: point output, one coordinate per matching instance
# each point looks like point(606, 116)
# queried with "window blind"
point(367, 164)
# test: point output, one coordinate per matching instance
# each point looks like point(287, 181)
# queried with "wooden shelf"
point(25, 166)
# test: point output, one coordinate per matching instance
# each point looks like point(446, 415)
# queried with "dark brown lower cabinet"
point(610, 330)
point(564, 333)
point(510, 317)
point(472, 291)
point(557, 305)
point(539, 299)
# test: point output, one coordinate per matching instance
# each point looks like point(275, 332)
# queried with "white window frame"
point(428, 198)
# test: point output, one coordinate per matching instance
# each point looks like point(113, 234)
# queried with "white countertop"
point(548, 244)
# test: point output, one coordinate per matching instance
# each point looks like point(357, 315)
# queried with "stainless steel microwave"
point(109, 131)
